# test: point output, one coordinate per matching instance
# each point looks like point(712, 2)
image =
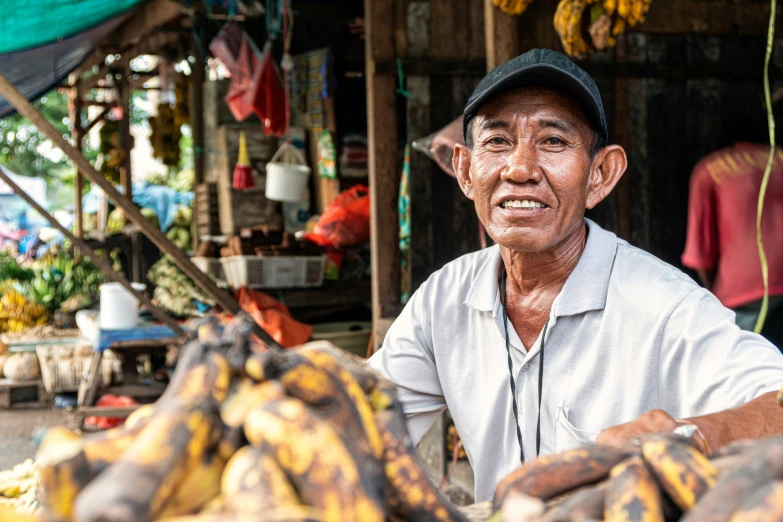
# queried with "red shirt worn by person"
point(722, 222)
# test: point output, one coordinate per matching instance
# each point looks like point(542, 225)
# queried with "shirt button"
point(526, 367)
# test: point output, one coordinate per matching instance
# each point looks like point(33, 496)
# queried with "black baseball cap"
point(546, 68)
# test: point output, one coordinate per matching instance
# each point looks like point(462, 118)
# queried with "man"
point(721, 242)
point(562, 334)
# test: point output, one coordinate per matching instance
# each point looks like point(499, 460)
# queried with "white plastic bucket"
point(119, 308)
point(287, 181)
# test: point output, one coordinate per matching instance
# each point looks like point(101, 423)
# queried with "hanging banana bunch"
point(512, 7)
point(182, 104)
point(605, 20)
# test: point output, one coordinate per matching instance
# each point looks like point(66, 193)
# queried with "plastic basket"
point(274, 272)
point(61, 367)
point(210, 266)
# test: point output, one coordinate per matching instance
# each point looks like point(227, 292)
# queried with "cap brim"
point(547, 76)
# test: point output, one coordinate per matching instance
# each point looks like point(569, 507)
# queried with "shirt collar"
point(585, 289)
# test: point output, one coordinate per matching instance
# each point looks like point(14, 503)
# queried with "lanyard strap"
point(512, 383)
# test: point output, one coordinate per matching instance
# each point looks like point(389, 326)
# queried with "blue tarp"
point(140, 333)
point(162, 200)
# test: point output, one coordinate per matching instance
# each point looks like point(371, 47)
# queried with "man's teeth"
point(522, 203)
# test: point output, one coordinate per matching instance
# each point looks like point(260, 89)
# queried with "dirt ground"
point(18, 427)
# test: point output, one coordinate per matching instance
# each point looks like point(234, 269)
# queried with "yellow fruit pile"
point(19, 488)
point(605, 20)
point(307, 434)
point(18, 315)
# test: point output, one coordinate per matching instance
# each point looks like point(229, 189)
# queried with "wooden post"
point(222, 298)
point(100, 263)
point(78, 137)
point(197, 78)
point(502, 35)
point(126, 140)
point(382, 159)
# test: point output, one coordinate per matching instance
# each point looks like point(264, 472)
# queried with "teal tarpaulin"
point(32, 23)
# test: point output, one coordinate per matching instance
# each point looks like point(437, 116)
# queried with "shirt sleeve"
point(407, 360)
point(708, 364)
point(701, 243)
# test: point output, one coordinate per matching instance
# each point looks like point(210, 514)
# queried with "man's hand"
point(653, 421)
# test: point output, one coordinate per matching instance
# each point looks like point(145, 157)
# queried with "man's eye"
point(497, 141)
point(554, 141)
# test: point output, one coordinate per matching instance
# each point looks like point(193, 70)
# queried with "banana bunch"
point(659, 478)
point(18, 314)
point(309, 434)
point(174, 290)
point(165, 136)
point(512, 7)
point(112, 154)
point(182, 97)
point(605, 20)
point(19, 488)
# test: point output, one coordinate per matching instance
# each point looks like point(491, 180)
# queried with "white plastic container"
point(119, 308)
point(287, 181)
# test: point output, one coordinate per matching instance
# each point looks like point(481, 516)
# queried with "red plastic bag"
point(274, 317)
point(226, 45)
point(269, 101)
point(112, 400)
point(244, 81)
point(346, 220)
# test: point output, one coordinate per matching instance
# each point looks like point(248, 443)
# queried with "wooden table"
point(88, 389)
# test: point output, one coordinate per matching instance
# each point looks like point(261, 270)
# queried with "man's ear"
point(608, 167)
point(461, 163)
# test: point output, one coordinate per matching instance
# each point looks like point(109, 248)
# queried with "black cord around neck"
point(512, 383)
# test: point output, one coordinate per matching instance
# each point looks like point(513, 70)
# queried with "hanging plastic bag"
point(244, 80)
point(269, 100)
point(346, 221)
point(226, 45)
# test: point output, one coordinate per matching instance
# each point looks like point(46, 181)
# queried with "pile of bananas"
point(659, 478)
point(165, 136)
point(512, 7)
point(18, 314)
point(19, 488)
point(175, 291)
point(605, 20)
point(308, 434)
point(10, 269)
point(112, 154)
point(58, 278)
point(180, 232)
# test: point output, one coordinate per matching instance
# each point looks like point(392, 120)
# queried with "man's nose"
point(522, 164)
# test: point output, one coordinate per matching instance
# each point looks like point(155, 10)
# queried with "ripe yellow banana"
point(633, 495)
point(683, 472)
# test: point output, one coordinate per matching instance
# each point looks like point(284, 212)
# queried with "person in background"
point(721, 236)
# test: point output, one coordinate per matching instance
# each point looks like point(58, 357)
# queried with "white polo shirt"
point(627, 334)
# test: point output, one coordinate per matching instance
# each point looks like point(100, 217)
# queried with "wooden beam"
point(502, 35)
point(707, 17)
point(145, 19)
point(382, 159)
point(222, 298)
point(99, 118)
point(99, 262)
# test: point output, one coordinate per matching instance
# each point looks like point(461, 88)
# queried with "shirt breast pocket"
point(568, 436)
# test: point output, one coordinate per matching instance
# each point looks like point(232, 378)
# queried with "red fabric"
point(722, 222)
point(112, 400)
point(345, 221)
point(274, 317)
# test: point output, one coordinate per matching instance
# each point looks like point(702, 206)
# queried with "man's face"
point(529, 168)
